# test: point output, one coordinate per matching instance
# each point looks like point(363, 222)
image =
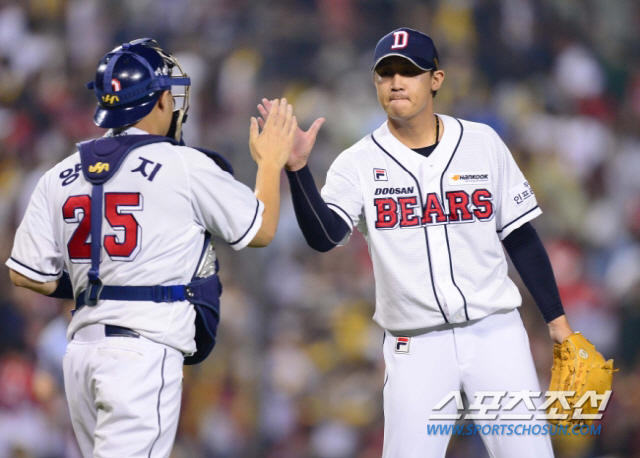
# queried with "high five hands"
point(303, 141)
point(274, 143)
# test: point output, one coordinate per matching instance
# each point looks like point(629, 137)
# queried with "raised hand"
point(303, 141)
point(273, 145)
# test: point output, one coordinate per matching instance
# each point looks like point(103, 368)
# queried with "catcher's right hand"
point(578, 367)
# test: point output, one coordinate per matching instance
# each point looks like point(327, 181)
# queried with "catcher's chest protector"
point(100, 160)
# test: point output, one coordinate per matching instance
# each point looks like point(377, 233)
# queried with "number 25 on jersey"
point(125, 245)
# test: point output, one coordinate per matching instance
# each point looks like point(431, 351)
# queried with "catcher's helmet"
point(129, 81)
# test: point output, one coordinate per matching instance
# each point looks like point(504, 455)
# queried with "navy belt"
point(119, 331)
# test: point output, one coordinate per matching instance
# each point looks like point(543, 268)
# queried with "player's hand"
point(559, 329)
point(273, 145)
point(302, 143)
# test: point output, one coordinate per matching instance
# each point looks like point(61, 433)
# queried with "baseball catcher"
point(123, 226)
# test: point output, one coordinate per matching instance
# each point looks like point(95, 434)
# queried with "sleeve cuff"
point(30, 272)
point(343, 214)
point(519, 221)
point(304, 171)
point(253, 229)
point(556, 312)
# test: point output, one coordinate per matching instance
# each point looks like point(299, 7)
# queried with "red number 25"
point(118, 207)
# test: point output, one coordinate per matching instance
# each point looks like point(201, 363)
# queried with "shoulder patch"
point(520, 193)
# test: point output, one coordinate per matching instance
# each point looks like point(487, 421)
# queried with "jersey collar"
point(442, 152)
point(128, 131)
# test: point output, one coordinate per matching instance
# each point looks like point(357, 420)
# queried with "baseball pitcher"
point(437, 198)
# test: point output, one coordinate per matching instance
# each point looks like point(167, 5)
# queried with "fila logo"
point(380, 175)
point(115, 84)
point(99, 167)
point(400, 39)
point(402, 344)
point(110, 99)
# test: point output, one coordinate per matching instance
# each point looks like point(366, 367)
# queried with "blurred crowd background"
point(298, 370)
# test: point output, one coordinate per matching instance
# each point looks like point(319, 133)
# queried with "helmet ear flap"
point(175, 130)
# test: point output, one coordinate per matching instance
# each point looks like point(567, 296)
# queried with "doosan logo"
point(468, 178)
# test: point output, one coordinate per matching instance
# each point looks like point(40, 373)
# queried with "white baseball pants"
point(124, 394)
point(490, 354)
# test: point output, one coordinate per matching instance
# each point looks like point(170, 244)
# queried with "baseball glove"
point(579, 368)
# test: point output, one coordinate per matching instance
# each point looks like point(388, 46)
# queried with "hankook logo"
point(469, 178)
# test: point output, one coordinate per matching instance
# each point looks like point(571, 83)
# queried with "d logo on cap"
point(400, 39)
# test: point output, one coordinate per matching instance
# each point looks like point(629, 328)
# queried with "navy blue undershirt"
point(323, 229)
point(427, 150)
point(531, 260)
point(64, 289)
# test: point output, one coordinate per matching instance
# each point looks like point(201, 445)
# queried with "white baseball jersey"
point(434, 224)
point(156, 210)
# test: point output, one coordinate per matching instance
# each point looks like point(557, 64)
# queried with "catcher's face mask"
point(179, 114)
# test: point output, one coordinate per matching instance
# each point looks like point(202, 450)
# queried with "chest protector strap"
point(100, 160)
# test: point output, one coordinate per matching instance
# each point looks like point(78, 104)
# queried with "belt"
point(98, 331)
point(119, 331)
